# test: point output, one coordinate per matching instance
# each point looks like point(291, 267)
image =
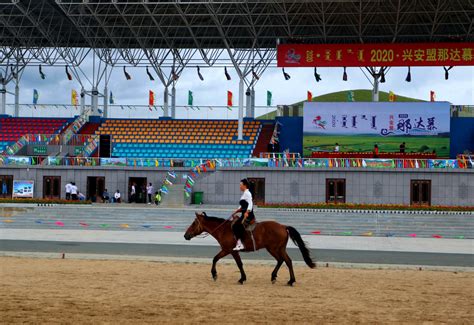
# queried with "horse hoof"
point(274, 281)
point(214, 277)
point(290, 283)
point(241, 281)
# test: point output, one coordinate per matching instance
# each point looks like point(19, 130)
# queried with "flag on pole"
point(350, 96)
point(391, 96)
point(432, 96)
point(310, 96)
point(151, 98)
point(190, 98)
point(111, 98)
point(35, 96)
point(74, 97)
point(172, 174)
point(229, 98)
point(269, 98)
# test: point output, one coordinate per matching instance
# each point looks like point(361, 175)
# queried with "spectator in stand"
point(105, 197)
point(376, 151)
point(73, 191)
point(149, 191)
point(117, 197)
point(336, 147)
point(402, 147)
point(68, 190)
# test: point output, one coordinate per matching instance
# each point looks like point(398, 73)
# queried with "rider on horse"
point(247, 217)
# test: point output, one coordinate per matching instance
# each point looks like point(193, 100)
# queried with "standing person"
point(117, 197)
point(73, 191)
point(336, 147)
point(4, 188)
point(157, 197)
point(68, 190)
point(149, 191)
point(133, 193)
point(247, 216)
point(402, 148)
point(376, 151)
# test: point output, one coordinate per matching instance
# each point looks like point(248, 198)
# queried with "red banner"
point(388, 54)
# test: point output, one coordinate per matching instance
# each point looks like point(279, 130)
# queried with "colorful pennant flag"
point(269, 98)
point(167, 181)
point(309, 96)
point(35, 96)
point(151, 98)
point(391, 96)
point(164, 189)
point(229, 98)
point(350, 96)
point(69, 76)
point(172, 174)
point(432, 96)
point(74, 97)
point(43, 76)
point(111, 98)
point(190, 98)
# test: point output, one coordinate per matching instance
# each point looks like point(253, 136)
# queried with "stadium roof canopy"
point(238, 24)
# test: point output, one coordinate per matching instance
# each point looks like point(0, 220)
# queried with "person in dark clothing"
point(247, 215)
point(402, 148)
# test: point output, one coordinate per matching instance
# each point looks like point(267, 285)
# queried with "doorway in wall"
point(335, 190)
point(51, 187)
point(140, 188)
point(258, 190)
point(95, 188)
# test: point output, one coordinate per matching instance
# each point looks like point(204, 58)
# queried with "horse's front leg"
point(238, 260)
point(219, 255)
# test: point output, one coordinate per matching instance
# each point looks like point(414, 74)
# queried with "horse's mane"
point(216, 219)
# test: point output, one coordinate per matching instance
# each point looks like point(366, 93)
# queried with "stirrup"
point(239, 247)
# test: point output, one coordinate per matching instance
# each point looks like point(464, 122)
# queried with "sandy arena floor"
point(87, 291)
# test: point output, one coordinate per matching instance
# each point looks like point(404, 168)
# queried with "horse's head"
point(196, 228)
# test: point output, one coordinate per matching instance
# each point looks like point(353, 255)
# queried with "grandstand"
point(180, 138)
point(13, 128)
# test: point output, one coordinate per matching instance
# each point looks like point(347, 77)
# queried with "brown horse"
point(267, 234)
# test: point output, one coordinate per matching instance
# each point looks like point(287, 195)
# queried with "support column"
point(375, 91)
point(17, 100)
point(83, 100)
point(240, 128)
point(3, 100)
point(248, 98)
point(95, 101)
point(165, 103)
point(106, 102)
point(252, 103)
point(173, 102)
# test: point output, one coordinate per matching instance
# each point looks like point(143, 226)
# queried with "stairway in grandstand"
point(180, 138)
point(264, 138)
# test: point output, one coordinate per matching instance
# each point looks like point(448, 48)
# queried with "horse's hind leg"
point(289, 264)
point(280, 260)
point(240, 265)
point(219, 255)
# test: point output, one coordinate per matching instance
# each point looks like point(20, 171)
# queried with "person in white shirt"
point(117, 197)
point(68, 190)
point(149, 191)
point(336, 148)
point(247, 217)
point(73, 191)
point(133, 193)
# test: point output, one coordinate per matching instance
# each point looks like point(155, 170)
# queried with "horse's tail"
point(296, 238)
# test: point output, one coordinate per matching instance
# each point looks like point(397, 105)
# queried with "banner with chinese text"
point(386, 54)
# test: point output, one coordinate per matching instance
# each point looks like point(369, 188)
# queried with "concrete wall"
point(448, 187)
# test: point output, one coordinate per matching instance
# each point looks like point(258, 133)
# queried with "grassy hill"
point(360, 95)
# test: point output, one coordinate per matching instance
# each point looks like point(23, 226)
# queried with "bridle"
point(211, 232)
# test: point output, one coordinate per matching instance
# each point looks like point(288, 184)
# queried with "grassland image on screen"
point(357, 127)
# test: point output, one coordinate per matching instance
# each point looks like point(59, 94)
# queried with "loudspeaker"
point(104, 146)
